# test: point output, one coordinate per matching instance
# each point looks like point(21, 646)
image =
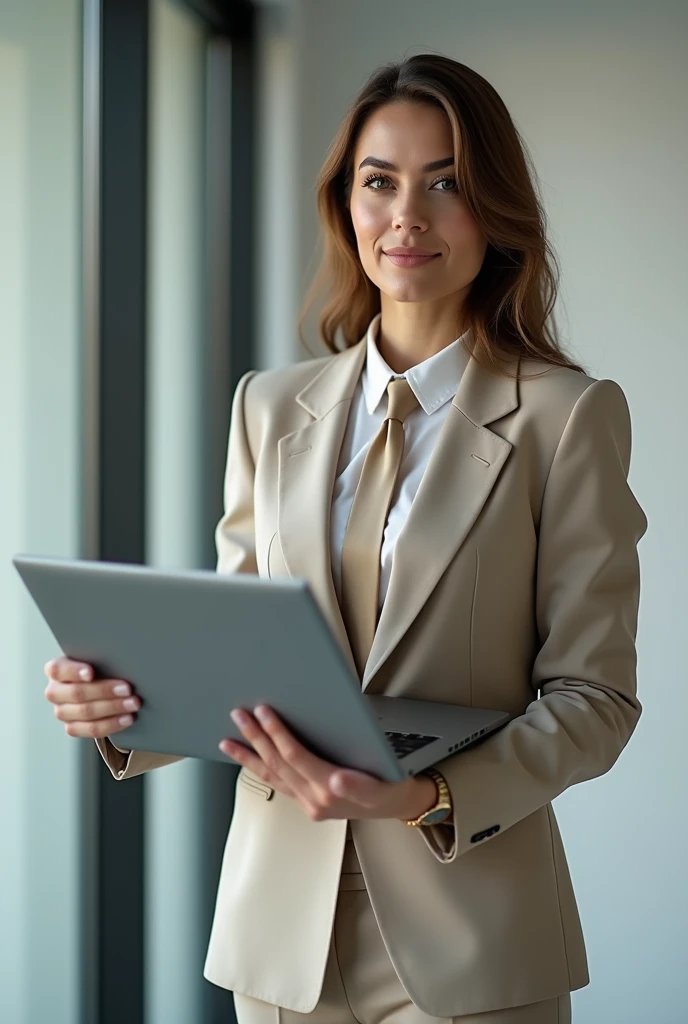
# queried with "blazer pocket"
point(255, 785)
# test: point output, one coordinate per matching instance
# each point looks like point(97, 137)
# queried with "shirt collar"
point(433, 381)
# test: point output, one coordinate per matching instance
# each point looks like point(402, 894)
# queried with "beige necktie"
point(365, 528)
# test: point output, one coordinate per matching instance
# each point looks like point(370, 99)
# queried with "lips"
point(409, 258)
point(409, 250)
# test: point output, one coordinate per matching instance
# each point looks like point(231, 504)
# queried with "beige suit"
point(517, 572)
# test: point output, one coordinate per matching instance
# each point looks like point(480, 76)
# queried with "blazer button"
point(485, 834)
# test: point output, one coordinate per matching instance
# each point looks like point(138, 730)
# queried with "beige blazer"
point(516, 577)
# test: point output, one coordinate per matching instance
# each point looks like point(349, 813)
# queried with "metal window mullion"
point(115, 83)
point(230, 351)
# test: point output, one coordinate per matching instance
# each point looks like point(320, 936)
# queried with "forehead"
point(406, 134)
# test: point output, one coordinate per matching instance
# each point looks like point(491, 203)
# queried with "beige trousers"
point(361, 985)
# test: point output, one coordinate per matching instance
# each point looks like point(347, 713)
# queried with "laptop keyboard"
point(405, 743)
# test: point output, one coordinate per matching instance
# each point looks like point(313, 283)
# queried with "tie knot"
point(400, 399)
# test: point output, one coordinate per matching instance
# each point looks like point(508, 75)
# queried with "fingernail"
point(130, 704)
point(85, 674)
point(126, 720)
point(123, 690)
point(238, 717)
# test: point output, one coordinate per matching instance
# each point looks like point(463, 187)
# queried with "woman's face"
point(404, 195)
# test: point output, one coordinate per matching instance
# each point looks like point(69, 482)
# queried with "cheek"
point(462, 232)
point(367, 217)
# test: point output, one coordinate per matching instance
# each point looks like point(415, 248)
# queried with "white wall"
point(599, 92)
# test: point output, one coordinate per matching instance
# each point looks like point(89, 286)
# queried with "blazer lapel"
point(307, 466)
point(461, 472)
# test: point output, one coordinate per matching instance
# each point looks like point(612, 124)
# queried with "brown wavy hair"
point(510, 304)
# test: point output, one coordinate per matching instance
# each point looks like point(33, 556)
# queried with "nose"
point(408, 214)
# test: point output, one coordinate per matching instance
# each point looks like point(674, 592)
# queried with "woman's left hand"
point(323, 790)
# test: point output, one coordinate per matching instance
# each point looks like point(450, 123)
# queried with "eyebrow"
point(385, 165)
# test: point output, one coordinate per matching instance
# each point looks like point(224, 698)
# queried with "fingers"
point(99, 728)
point(95, 709)
point(89, 709)
point(66, 685)
point(249, 759)
point(64, 670)
point(310, 767)
point(278, 758)
point(265, 749)
point(83, 693)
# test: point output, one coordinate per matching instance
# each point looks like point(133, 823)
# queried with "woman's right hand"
point(88, 708)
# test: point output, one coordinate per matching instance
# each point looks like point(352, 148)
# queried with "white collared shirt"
point(434, 382)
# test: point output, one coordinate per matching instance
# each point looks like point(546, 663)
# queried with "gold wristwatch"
point(441, 810)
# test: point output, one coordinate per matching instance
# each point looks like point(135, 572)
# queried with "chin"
point(407, 292)
point(400, 291)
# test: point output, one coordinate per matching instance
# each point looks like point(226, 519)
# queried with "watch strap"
point(443, 802)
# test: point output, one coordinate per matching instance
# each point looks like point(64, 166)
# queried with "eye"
point(370, 181)
point(379, 183)
point(443, 180)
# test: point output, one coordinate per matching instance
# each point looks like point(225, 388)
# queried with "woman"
point(455, 490)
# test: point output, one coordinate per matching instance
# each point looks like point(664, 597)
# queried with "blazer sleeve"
point(236, 552)
point(586, 607)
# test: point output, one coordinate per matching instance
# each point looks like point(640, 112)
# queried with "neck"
point(410, 332)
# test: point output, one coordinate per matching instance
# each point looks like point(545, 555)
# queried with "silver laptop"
point(195, 644)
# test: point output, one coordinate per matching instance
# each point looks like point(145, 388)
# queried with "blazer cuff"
point(441, 839)
point(127, 764)
point(115, 758)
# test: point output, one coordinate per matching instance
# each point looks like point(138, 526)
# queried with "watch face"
point(435, 817)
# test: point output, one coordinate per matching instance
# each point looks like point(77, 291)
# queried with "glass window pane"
point(175, 941)
point(40, 74)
